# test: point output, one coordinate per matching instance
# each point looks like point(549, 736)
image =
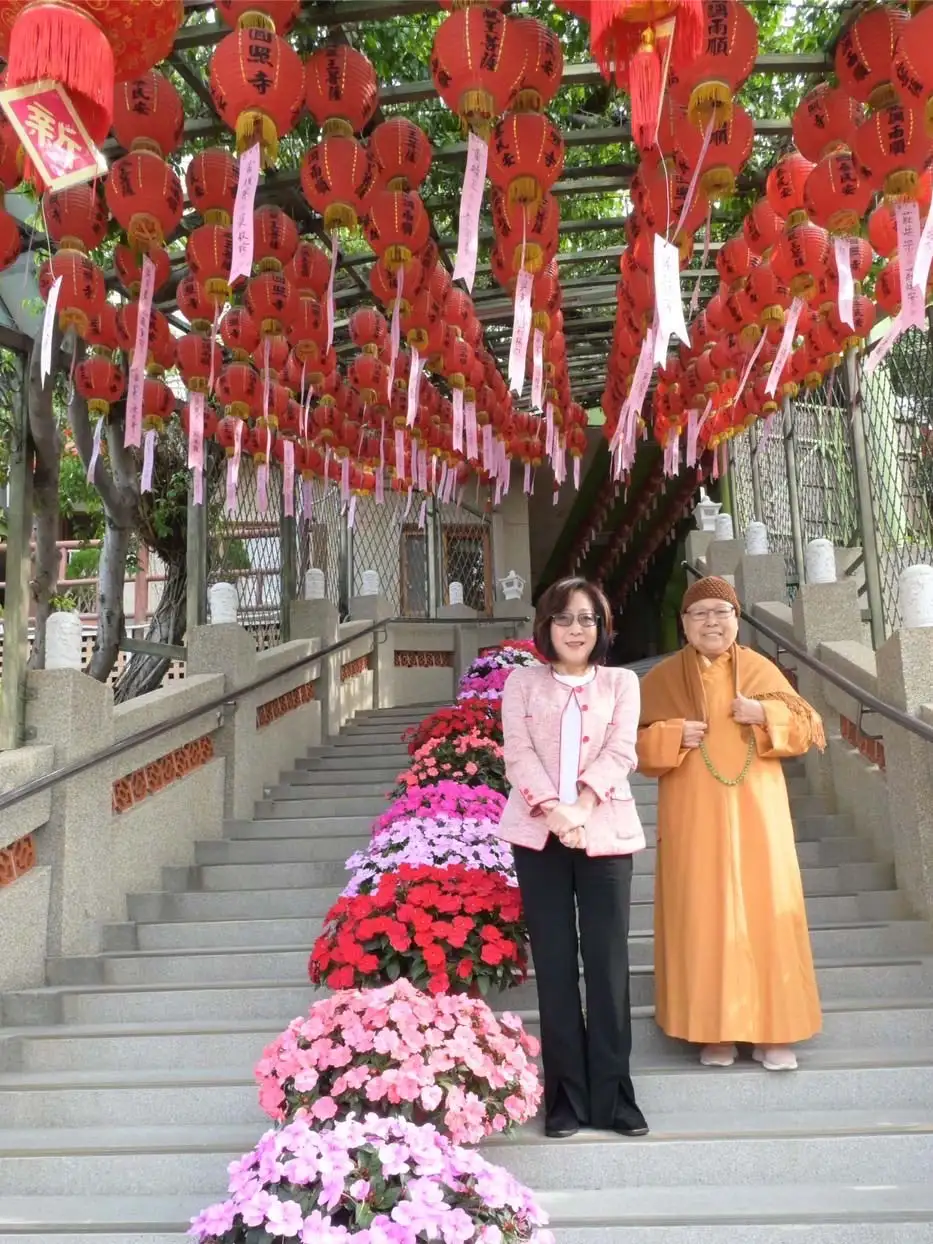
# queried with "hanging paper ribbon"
point(262, 487)
point(471, 204)
point(749, 366)
point(695, 177)
point(408, 504)
point(692, 434)
point(537, 374)
point(327, 456)
point(233, 466)
point(196, 439)
point(137, 378)
point(549, 430)
point(458, 421)
point(846, 283)
point(414, 386)
point(95, 451)
point(243, 236)
point(266, 377)
point(422, 514)
point(345, 480)
point(784, 349)
point(924, 255)
point(149, 449)
point(380, 486)
point(288, 480)
point(908, 239)
point(526, 483)
point(351, 513)
point(48, 330)
point(472, 431)
point(214, 353)
point(576, 473)
point(881, 351)
point(433, 470)
point(400, 453)
point(670, 307)
point(395, 330)
point(307, 501)
point(707, 241)
point(488, 452)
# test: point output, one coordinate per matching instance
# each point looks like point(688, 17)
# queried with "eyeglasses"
point(565, 620)
point(717, 615)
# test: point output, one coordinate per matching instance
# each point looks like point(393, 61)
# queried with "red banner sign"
point(52, 135)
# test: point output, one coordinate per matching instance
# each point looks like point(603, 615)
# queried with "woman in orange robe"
point(732, 952)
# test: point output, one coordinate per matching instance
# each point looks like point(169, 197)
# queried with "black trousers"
point(588, 1060)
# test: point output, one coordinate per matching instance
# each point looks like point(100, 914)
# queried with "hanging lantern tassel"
point(196, 444)
point(148, 461)
point(471, 205)
point(288, 482)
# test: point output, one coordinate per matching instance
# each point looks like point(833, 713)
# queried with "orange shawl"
point(673, 690)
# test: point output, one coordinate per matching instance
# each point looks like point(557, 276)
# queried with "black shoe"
point(624, 1129)
point(631, 1123)
point(561, 1121)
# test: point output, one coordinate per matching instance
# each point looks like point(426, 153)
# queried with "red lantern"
point(239, 390)
point(543, 65)
point(195, 304)
point(210, 253)
point(522, 230)
point(129, 266)
point(257, 86)
point(212, 178)
point(279, 15)
point(787, 183)
point(762, 227)
point(338, 177)
point(82, 292)
point(865, 55)
point(341, 90)
point(275, 238)
point(148, 114)
point(210, 421)
point(893, 145)
point(836, 194)
point(198, 359)
point(308, 271)
point(145, 196)
point(76, 219)
point(307, 330)
point(239, 333)
point(477, 65)
point(271, 354)
point(730, 145)
point(526, 156)
point(882, 230)
point(368, 330)
point(101, 335)
point(11, 156)
point(158, 404)
point(397, 226)
point(402, 152)
point(100, 382)
point(159, 339)
point(422, 326)
point(824, 120)
point(370, 378)
point(10, 241)
point(706, 85)
point(84, 45)
point(271, 302)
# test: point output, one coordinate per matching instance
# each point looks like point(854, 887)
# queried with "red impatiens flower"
point(445, 929)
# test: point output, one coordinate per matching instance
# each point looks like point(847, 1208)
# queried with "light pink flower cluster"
point(437, 841)
point(409, 1184)
point(444, 799)
point(446, 1058)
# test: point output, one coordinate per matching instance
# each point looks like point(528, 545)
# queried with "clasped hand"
point(745, 711)
point(567, 821)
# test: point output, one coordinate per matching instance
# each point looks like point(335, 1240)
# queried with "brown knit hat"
point(712, 588)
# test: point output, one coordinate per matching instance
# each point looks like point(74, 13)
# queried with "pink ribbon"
point(196, 444)
point(288, 483)
point(233, 466)
point(345, 479)
point(693, 432)
point(472, 431)
point(414, 386)
point(471, 204)
point(521, 328)
point(134, 394)
point(262, 487)
point(395, 330)
point(749, 365)
point(148, 461)
point(408, 504)
point(908, 239)
point(897, 328)
point(307, 501)
point(576, 473)
point(488, 455)
point(351, 513)
point(214, 352)
point(243, 236)
point(549, 429)
point(199, 488)
point(95, 452)
point(400, 452)
point(784, 349)
point(48, 331)
point(695, 177)
point(422, 514)
point(458, 421)
point(266, 377)
point(537, 375)
point(331, 311)
point(380, 486)
point(846, 283)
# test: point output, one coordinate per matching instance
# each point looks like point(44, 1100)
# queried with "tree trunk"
point(46, 468)
point(167, 626)
point(110, 616)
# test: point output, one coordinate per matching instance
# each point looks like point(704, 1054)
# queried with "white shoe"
point(718, 1055)
point(775, 1057)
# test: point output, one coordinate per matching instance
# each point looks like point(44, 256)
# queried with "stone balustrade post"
point(226, 648)
point(760, 578)
point(378, 609)
point(320, 620)
point(74, 715)
point(698, 543)
point(905, 680)
point(823, 612)
point(723, 556)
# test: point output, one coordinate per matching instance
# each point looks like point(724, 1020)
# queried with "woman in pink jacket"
point(570, 727)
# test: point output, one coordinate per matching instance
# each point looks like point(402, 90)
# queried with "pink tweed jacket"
point(533, 703)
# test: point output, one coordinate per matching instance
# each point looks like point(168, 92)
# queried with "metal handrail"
point(866, 701)
point(229, 700)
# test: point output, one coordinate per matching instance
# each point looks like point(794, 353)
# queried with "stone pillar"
point(74, 715)
point(759, 578)
point(377, 609)
point(905, 680)
point(723, 556)
point(511, 544)
point(230, 650)
point(319, 619)
point(698, 543)
point(823, 612)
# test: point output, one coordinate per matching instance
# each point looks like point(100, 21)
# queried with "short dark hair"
point(555, 600)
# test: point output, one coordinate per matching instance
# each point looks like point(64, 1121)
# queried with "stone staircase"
point(125, 1084)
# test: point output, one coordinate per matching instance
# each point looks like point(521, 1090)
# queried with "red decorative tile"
point(353, 669)
point(287, 702)
point(423, 660)
point(155, 776)
point(871, 749)
point(18, 858)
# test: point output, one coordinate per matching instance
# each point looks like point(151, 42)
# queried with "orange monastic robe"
point(732, 952)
